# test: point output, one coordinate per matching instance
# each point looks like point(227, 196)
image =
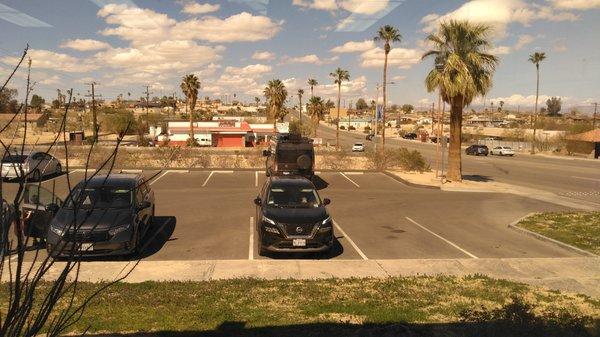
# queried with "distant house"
point(224, 133)
point(32, 119)
point(358, 124)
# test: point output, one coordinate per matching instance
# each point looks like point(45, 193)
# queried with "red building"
point(220, 133)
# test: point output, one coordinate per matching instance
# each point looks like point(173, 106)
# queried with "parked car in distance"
point(34, 165)
point(290, 154)
point(105, 215)
point(477, 150)
point(291, 217)
point(410, 135)
point(502, 151)
point(358, 147)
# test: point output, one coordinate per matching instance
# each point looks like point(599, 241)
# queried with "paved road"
point(207, 215)
point(572, 178)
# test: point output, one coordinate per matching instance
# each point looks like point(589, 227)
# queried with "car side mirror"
point(52, 208)
point(326, 201)
point(257, 201)
point(266, 153)
point(144, 205)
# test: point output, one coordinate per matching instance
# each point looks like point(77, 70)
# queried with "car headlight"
point(57, 230)
point(119, 229)
point(267, 220)
point(328, 219)
point(325, 225)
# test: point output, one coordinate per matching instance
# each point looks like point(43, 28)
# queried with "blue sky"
point(236, 46)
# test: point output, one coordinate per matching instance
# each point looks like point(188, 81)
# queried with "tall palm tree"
point(316, 110)
point(275, 95)
point(536, 58)
point(463, 70)
point(190, 86)
point(257, 100)
point(387, 34)
point(339, 75)
point(312, 83)
point(300, 93)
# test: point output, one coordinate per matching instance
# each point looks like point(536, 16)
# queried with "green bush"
point(400, 158)
point(351, 127)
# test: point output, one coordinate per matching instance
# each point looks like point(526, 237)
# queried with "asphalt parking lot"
point(209, 215)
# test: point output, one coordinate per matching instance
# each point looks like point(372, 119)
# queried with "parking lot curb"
point(513, 225)
point(408, 183)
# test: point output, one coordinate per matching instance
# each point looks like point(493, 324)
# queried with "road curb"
point(513, 225)
point(408, 183)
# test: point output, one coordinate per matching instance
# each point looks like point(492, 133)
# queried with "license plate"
point(299, 242)
point(87, 247)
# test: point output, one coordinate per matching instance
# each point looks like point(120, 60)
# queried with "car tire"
point(58, 170)
point(262, 251)
point(137, 250)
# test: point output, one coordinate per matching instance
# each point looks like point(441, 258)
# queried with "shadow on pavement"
point(477, 177)
point(490, 328)
point(320, 184)
point(336, 250)
point(158, 234)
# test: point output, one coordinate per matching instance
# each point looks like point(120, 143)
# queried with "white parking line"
point(251, 246)
point(208, 178)
point(362, 255)
point(350, 180)
point(441, 238)
point(354, 173)
point(256, 178)
point(584, 178)
point(157, 178)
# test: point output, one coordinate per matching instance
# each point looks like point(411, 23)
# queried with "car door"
point(37, 217)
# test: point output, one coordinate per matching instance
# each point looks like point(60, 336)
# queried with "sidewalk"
point(579, 275)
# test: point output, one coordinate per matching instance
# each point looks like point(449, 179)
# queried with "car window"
point(293, 196)
point(99, 197)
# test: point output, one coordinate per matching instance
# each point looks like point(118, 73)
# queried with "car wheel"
point(153, 210)
point(262, 251)
point(58, 169)
point(138, 243)
point(502, 154)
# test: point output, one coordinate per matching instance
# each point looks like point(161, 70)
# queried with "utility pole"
point(594, 119)
point(94, 115)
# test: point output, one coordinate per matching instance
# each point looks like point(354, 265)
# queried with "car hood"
point(296, 215)
point(97, 219)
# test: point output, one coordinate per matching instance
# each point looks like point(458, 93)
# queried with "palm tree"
point(463, 70)
point(300, 93)
point(312, 83)
point(316, 110)
point(257, 100)
point(275, 95)
point(190, 86)
point(536, 58)
point(339, 75)
point(386, 34)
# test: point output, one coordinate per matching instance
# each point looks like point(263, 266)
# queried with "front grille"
point(298, 229)
point(86, 236)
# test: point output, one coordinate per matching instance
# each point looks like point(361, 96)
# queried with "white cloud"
point(560, 45)
point(240, 27)
point(352, 6)
point(576, 4)
point(399, 78)
point(498, 14)
point(500, 50)
point(263, 56)
point(85, 44)
point(523, 41)
point(196, 8)
point(352, 88)
point(46, 59)
point(308, 59)
point(399, 57)
point(249, 70)
point(354, 46)
point(141, 26)
point(526, 101)
point(208, 70)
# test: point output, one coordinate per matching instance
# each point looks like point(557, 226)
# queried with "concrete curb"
point(513, 225)
point(408, 183)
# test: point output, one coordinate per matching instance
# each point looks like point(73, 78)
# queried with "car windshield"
point(14, 159)
point(293, 196)
point(358, 144)
point(99, 197)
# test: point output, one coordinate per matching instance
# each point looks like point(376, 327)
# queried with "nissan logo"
point(298, 229)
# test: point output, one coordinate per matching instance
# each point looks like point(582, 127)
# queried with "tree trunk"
point(454, 154)
point(192, 139)
point(384, 98)
point(337, 124)
point(300, 99)
point(537, 93)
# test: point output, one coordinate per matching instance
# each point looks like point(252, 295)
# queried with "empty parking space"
point(209, 215)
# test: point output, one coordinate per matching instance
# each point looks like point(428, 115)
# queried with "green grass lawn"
point(579, 229)
point(426, 306)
